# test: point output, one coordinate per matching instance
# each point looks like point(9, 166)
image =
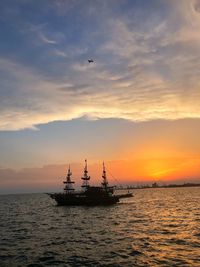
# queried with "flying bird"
point(90, 61)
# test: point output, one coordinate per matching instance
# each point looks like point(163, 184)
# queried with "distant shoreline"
point(155, 185)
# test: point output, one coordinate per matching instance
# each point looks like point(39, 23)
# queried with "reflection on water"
point(158, 227)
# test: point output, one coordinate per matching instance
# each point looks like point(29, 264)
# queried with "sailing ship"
point(89, 195)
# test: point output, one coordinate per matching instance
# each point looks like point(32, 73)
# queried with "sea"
point(157, 227)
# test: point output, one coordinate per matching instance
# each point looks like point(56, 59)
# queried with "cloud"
point(24, 180)
point(47, 40)
point(143, 70)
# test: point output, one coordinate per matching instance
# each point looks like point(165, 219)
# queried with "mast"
point(85, 177)
point(68, 183)
point(105, 181)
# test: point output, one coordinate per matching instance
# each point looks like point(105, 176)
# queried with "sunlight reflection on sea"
point(157, 227)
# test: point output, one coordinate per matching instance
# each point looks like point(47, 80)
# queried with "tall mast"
point(68, 183)
point(85, 177)
point(105, 181)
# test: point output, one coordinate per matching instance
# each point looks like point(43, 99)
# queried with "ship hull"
point(63, 199)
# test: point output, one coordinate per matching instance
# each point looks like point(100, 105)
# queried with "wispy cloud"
point(143, 69)
point(46, 39)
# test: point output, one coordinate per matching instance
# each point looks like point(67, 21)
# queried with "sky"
point(137, 107)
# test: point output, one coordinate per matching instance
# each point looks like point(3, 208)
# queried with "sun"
point(158, 169)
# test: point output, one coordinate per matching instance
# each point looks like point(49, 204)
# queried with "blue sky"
point(146, 72)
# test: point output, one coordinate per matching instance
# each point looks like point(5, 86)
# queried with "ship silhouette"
point(89, 195)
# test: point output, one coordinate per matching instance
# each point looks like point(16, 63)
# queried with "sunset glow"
point(137, 106)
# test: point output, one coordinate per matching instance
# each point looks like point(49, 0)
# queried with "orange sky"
point(162, 151)
point(137, 106)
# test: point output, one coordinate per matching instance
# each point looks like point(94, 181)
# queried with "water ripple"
point(158, 227)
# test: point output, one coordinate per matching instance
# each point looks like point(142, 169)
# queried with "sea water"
point(157, 227)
